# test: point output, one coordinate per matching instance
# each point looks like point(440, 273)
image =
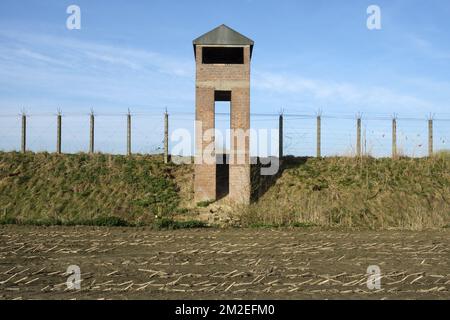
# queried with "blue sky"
point(308, 55)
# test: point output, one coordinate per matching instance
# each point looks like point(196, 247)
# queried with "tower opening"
point(222, 107)
point(223, 55)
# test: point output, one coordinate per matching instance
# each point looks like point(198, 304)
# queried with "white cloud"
point(103, 74)
point(427, 48)
point(337, 93)
point(67, 71)
point(74, 52)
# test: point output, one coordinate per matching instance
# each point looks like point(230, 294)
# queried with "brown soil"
point(131, 263)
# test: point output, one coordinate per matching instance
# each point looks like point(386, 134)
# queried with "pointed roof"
point(223, 35)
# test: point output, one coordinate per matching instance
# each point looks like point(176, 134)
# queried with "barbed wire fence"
point(302, 134)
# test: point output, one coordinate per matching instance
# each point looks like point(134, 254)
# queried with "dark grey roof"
point(223, 35)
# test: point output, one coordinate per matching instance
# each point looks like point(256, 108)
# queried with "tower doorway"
point(222, 107)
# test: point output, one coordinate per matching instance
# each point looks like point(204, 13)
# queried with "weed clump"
point(170, 224)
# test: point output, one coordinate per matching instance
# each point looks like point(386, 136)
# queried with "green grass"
point(99, 189)
point(158, 224)
point(170, 224)
point(101, 221)
point(303, 225)
point(106, 190)
point(204, 204)
point(262, 225)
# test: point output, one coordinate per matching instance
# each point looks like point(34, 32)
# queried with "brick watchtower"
point(222, 59)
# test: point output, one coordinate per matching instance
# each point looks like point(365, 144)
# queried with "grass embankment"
point(49, 189)
point(348, 192)
point(105, 190)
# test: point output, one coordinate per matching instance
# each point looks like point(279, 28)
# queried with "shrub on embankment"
point(359, 193)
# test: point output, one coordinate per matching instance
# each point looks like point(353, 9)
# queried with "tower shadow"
point(222, 176)
point(261, 182)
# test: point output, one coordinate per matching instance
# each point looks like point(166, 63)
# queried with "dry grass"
point(349, 192)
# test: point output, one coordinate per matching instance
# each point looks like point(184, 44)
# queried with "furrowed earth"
point(142, 263)
point(312, 233)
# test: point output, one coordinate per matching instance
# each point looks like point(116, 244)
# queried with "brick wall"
point(234, 78)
